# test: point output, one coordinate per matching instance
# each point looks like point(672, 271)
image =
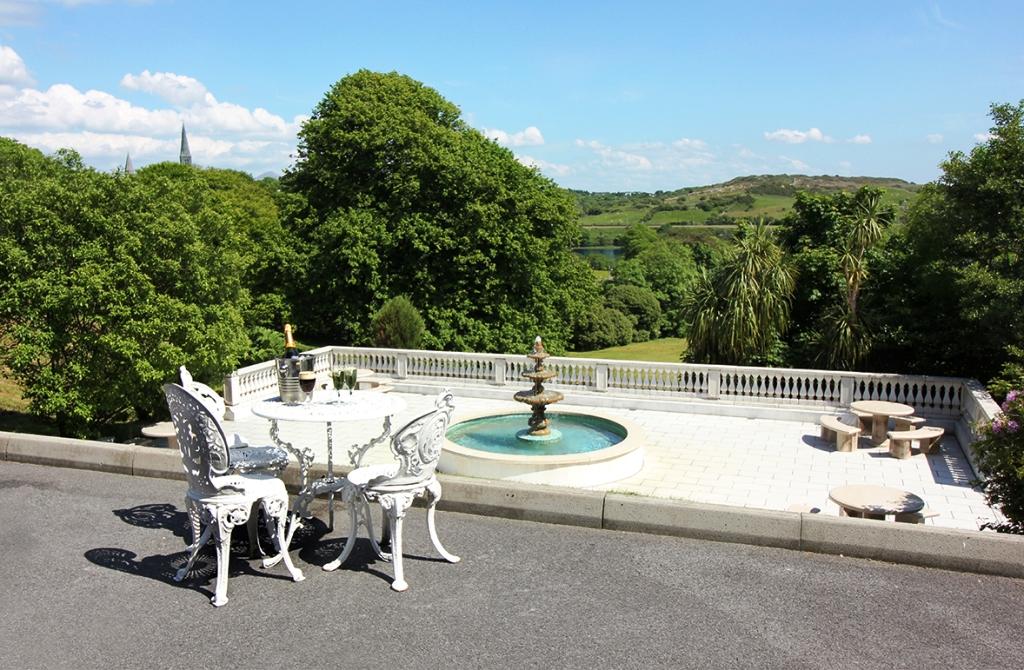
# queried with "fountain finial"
point(537, 397)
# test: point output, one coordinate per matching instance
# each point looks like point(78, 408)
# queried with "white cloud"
point(528, 137)
point(174, 88)
point(12, 69)
point(934, 138)
point(860, 139)
point(556, 169)
point(983, 137)
point(687, 143)
point(102, 126)
point(615, 157)
point(797, 136)
point(794, 163)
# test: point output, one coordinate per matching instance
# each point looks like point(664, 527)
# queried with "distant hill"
point(753, 197)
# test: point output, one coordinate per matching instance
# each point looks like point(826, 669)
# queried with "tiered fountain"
point(538, 398)
point(565, 448)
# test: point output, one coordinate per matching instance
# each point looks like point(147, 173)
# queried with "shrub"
point(397, 325)
point(603, 327)
point(640, 304)
point(1000, 455)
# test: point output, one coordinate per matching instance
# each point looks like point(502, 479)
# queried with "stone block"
point(158, 462)
point(529, 502)
point(70, 453)
point(952, 549)
point(702, 521)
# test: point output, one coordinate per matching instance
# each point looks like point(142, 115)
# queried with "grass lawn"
point(665, 350)
point(14, 414)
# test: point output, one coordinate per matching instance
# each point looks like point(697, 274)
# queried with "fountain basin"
point(616, 455)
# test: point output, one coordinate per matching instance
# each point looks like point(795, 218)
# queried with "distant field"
point(665, 350)
point(10, 394)
point(622, 210)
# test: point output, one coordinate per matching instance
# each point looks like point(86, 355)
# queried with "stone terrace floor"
point(766, 464)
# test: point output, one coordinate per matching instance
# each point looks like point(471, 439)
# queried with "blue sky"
point(598, 95)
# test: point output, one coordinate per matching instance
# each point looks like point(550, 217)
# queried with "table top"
point(329, 406)
point(882, 407)
point(876, 499)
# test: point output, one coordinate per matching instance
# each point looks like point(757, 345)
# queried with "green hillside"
point(720, 206)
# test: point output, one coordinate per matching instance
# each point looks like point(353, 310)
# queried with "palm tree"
point(740, 307)
point(846, 339)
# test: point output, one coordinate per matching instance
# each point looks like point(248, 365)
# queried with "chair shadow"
point(164, 567)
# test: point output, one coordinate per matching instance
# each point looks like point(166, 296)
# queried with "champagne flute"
point(350, 379)
point(339, 377)
point(307, 382)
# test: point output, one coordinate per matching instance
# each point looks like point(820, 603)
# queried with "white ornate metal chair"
point(417, 447)
point(218, 500)
point(244, 457)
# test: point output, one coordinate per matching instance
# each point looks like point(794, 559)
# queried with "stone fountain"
point(537, 397)
point(565, 449)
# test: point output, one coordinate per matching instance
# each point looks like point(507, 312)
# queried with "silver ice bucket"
point(288, 370)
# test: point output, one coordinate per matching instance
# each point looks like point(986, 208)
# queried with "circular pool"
point(590, 449)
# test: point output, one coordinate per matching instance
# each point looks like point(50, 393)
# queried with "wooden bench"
point(927, 438)
point(844, 429)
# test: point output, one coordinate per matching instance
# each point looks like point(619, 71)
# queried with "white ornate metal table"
point(328, 408)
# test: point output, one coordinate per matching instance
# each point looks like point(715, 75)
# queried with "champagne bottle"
point(290, 350)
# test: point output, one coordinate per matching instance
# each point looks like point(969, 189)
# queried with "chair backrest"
point(207, 395)
point(417, 446)
point(204, 449)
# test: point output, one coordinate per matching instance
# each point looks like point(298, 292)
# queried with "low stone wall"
point(970, 551)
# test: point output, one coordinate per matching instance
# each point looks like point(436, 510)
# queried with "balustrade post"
point(846, 386)
point(601, 380)
point(714, 383)
point(500, 367)
point(401, 365)
point(232, 392)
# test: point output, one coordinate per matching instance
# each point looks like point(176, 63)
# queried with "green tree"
point(397, 325)
point(668, 269)
point(740, 307)
point(603, 327)
point(832, 239)
point(111, 282)
point(641, 306)
point(958, 304)
point(403, 198)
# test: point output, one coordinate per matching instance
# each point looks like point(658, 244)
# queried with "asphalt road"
point(87, 560)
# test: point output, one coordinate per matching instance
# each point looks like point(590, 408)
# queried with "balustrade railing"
point(944, 397)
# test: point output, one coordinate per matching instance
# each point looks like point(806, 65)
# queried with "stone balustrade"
point(939, 397)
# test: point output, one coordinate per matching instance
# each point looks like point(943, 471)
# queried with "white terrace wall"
point(956, 401)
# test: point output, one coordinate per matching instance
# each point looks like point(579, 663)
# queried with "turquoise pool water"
point(580, 433)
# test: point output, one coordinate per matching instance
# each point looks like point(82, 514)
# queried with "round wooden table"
point(880, 411)
point(875, 502)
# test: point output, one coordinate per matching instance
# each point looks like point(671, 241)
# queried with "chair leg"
point(252, 530)
point(350, 541)
point(223, 539)
point(276, 512)
point(395, 518)
point(433, 496)
point(194, 520)
point(201, 540)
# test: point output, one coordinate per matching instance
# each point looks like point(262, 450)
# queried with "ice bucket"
point(288, 370)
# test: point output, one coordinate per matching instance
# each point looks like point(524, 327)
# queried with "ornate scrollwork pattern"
point(417, 446)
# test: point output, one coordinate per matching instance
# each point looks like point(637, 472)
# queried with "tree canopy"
point(112, 281)
point(401, 197)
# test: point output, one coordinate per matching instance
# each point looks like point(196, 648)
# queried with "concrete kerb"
point(953, 549)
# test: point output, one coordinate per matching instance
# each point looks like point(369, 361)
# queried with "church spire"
point(128, 167)
point(185, 157)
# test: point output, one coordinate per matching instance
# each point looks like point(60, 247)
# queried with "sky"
point(601, 96)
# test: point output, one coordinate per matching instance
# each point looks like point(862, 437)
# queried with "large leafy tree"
point(403, 198)
point(739, 308)
point(957, 299)
point(111, 281)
